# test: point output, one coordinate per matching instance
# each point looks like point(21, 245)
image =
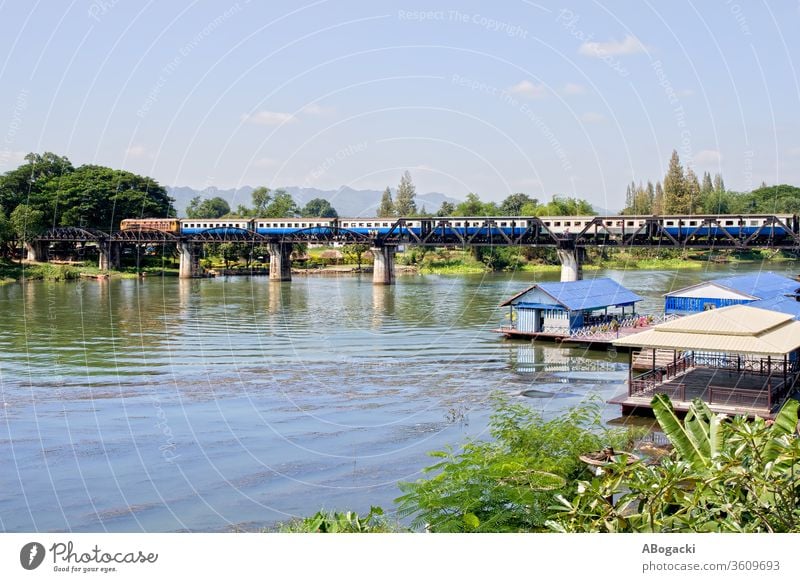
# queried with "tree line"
point(48, 191)
point(684, 193)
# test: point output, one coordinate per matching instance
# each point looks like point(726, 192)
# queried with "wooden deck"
point(599, 340)
point(725, 391)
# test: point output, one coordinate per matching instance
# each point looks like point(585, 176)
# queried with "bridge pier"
point(36, 251)
point(571, 264)
point(190, 260)
point(383, 267)
point(109, 255)
point(280, 261)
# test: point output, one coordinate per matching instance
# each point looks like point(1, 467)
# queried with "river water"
point(236, 404)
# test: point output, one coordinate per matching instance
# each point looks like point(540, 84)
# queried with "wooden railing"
point(647, 382)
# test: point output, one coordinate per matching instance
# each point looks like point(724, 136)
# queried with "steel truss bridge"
point(722, 232)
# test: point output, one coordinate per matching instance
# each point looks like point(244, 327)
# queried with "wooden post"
point(630, 371)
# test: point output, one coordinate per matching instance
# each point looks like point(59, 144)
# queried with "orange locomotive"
point(171, 225)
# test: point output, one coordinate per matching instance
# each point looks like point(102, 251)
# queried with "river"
point(236, 404)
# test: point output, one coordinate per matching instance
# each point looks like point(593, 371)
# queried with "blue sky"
point(572, 98)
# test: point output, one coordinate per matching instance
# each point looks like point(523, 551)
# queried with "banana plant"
point(699, 438)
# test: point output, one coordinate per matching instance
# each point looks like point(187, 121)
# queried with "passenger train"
point(698, 225)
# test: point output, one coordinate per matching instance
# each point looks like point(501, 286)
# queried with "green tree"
point(6, 235)
point(319, 207)
point(708, 186)
point(472, 206)
point(658, 200)
point(100, 197)
point(404, 204)
point(676, 199)
point(692, 185)
point(719, 184)
point(282, 205)
point(386, 208)
point(514, 203)
point(207, 207)
point(261, 198)
point(25, 183)
point(355, 253)
point(507, 484)
point(446, 209)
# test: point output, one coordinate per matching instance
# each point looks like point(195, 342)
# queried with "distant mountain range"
point(346, 200)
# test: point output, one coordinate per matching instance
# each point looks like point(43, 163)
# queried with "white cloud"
point(630, 46)
point(316, 109)
point(574, 89)
point(138, 151)
point(528, 89)
point(707, 157)
point(593, 117)
point(268, 118)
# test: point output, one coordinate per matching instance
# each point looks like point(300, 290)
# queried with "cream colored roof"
point(735, 329)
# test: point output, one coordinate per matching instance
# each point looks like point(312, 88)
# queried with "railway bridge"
point(697, 232)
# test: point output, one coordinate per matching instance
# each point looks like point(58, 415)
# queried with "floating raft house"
point(739, 290)
point(559, 309)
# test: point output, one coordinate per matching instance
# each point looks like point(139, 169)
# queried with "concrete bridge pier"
point(189, 260)
point(36, 251)
point(571, 264)
point(280, 261)
point(109, 255)
point(383, 268)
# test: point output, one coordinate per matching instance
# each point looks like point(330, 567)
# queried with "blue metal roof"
point(761, 285)
point(754, 285)
point(586, 294)
point(780, 303)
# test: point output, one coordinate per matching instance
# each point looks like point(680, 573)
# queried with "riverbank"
point(13, 272)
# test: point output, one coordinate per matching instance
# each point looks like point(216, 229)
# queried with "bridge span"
point(570, 236)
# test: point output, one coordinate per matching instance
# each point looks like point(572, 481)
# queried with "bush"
point(508, 484)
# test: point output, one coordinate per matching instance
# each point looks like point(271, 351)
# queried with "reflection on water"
point(162, 405)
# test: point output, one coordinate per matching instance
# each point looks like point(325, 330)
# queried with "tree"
point(386, 208)
point(26, 223)
point(25, 183)
point(692, 190)
point(719, 185)
point(207, 208)
point(676, 200)
point(472, 206)
point(355, 252)
point(658, 200)
point(708, 186)
point(100, 197)
point(406, 192)
point(261, 198)
point(281, 206)
point(513, 204)
point(6, 235)
point(446, 209)
point(319, 207)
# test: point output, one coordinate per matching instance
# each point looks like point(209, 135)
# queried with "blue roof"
point(761, 285)
point(585, 294)
point(780, 303)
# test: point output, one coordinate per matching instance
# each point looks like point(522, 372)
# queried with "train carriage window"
point(205, 225)
point(503, 224)
point(753, 223)
point(670, 223)
point(608, 223)
point(303, 225)
point(728, 223)
point(458, 224)
point(692, 223)
point(557, 223)
point(547, 223)
point(629, 223)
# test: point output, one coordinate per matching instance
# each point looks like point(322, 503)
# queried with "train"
point(562, 226)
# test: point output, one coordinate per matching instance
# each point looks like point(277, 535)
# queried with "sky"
point(570, 98)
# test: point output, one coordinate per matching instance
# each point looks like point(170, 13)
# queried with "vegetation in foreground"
point(721, 475)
